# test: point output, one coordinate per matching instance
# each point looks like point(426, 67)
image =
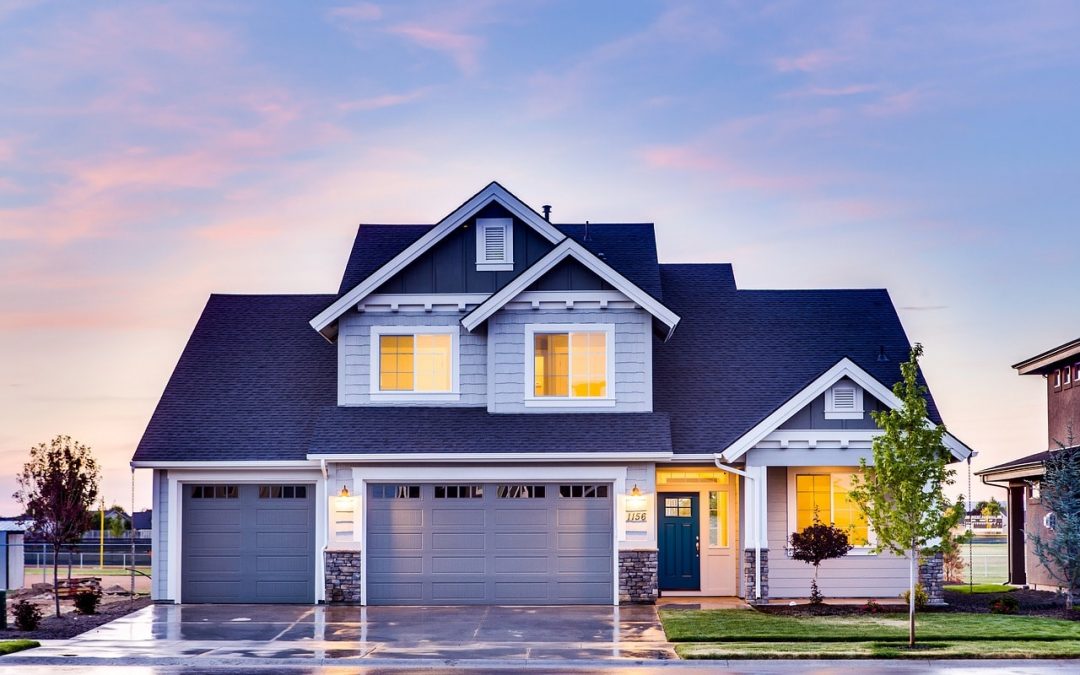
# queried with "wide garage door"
point(489, 543)
point(248, 543)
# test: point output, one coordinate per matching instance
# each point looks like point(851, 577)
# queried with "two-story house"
point(1060, 367)
point(497, 409)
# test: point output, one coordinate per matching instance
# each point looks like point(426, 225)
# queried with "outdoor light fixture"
point(635, 501)
point(343, 501)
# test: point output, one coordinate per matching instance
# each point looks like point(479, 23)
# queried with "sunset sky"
point(153, 153)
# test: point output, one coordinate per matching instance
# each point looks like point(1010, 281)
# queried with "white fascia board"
point(569, 248)
point(493, 192)
point(225, 466)
point(492, 457)
point(845, 367)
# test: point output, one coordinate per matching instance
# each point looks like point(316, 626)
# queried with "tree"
point(1059, 492)
point(57, 487)
point(990, 509)
point(903, 493)
point(817, 543)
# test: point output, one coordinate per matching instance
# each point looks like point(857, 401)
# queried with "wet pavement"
point(291, 634)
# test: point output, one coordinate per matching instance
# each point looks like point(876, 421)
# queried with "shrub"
point(817, 543)
point(871, 607)
point(86, 602)
point(1004, 605)
point(27, 615)
point(921, 598)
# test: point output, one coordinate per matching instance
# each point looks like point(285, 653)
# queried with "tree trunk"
point(1068, 601)
point(56, 576)
point(911, 598)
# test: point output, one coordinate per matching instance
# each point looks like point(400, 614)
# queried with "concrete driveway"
point(205, 634)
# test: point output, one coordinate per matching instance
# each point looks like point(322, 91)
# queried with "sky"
point(153, 153)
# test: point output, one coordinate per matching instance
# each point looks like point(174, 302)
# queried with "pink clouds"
point(809, 62)
point(383, 101)
point(461, 47)
point(726, 173)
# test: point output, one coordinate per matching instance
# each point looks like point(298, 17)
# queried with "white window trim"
point(506, 264)
point(455, 364)
point(831, 413)
point(1067, 372)
point(531, 329)
point(792, 515)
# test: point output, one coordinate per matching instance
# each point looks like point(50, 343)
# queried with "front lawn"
point(12, 646)
point(979, 589)
point(740, 625)
point(1030, 649)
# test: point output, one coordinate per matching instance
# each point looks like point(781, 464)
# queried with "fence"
point(88, 554)
point(988, 563)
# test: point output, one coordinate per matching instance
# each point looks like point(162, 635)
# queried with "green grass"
point(12, 646)
point(739, 625)
point(1034, 649)
point(991, 562)
point(978, 589)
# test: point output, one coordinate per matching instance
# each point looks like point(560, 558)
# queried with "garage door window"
point(521, 492)
point(215, 492)
point(459, 491)
point(282, 492)
point(583, 491)
point(390, 491)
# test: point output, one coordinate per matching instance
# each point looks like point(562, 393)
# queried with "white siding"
point(354, 345)
point(853, 576)
point(633, 357)
point(159, 559)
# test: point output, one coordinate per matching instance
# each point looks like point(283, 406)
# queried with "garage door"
point(248, 543)
point(489, 543)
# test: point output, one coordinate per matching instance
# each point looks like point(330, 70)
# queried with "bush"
point(921, 597)
point(86, 602)
point(27, 615)
point(871, 607)
point(1004, 605)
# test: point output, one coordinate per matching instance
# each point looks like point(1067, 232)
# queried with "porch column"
point(1016, 517)
point(755, 523)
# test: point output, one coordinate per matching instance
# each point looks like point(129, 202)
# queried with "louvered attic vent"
point(844, 401)
point(494, 244)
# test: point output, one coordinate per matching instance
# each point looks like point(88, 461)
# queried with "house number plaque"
point(635, 516)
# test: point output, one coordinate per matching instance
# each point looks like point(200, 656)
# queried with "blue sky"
point(152, 153)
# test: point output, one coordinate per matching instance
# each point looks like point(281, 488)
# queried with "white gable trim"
point(569, 248)
point(844, 368)
point(326, 320)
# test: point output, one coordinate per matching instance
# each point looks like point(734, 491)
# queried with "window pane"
point(433, 362)
point(551, 364)
point(846, 513)
point(588, 366)
point(396, 362)
point(812, 498)
point(718, 519)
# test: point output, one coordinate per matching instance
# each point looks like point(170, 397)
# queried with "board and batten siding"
point(631, 386)
point(853, 576)
point(354, 341)
point(159, 542)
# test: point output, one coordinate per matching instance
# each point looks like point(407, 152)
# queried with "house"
point(496, 409)
point(1060, 367)
point(142, 525)
point(12, 536)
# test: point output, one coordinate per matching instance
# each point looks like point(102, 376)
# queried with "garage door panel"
point(513, 517)
point(282, 563)
point(458, 517)
point(570, 542)
point(293, 519)
point(458, 591)
point(568, 590)
point(396, 592)
point(211, 542)
point(510, 564)
point(395, 565)
point(455, 541)
point(584, 563)
point(578, 518)
point(522, 541)
point(396, 541)
point(386, 519)
point(519, 591)
point(210, 520)
point(442, 564)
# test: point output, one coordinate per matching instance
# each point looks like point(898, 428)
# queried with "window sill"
point(415, 396)
point(844, 415)
point(536, 402)
point(495, 267)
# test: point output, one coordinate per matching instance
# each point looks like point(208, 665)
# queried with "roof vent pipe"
point(586, 237)
point(881, 354)
point(547, 212)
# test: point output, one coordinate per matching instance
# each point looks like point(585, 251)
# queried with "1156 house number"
point(635, 516)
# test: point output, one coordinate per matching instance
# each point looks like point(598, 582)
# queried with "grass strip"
point(1035, 649)
point(727, 625)
point(979, 589)
point(12, 646)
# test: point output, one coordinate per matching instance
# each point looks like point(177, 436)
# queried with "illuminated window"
point(416, 363)
point(718, 519)
point(572, 365)
point(826, 496)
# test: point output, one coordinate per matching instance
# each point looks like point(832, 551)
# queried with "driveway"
point(208, 634)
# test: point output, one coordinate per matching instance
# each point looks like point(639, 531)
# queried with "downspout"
point(751, 481)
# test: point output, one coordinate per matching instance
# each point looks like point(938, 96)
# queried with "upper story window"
point(494, 244)
point(1057, 378)
point(414, 362)
point(1066, 376)
point(844, 401)
point(570, 365)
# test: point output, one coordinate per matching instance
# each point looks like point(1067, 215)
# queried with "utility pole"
point(101, 540)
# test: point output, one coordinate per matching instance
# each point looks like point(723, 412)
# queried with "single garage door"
point(489, 543)
point(248, 543)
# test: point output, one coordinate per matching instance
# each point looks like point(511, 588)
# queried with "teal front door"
point(679, 542)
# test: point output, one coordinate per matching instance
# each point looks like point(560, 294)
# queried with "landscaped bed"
point(755, 634)
point(69, 624)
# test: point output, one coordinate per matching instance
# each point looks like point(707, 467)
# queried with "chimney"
point(547, 212)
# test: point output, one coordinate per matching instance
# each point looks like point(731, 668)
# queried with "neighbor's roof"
point(1044, 362)
point(1034, 461)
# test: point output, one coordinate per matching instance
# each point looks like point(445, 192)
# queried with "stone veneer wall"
point(748, 575)
point(932, 577)
point(637, 576)
point(343, 576)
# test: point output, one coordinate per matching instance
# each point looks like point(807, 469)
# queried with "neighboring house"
point(1060, 367)
point(12, 537)
point(496, 409)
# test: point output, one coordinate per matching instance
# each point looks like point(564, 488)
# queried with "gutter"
point(751, 481)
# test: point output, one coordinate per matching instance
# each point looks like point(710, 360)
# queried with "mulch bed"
point(71, 624)
point(1032, 603)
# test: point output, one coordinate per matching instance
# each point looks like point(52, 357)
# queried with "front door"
point(680, 544)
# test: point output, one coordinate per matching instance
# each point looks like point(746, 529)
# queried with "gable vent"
point(844, 401)
point(494, 244)
point(844, 398)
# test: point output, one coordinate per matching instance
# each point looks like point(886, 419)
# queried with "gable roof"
point(752, 350)
point(569, 248)
point(1045, 362)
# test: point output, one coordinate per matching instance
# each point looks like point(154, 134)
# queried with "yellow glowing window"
point(570, 364)
point(718, 519)
point(415, 362)
point(827, 496)
point(847, 515)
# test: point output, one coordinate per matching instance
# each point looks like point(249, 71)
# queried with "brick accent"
point(637, 576)
point(932, 578)
point(748, 575)
point(343, 576)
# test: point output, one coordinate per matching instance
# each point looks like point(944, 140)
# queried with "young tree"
point(57, 487)
point(1059, 491)
point(817, 543)
point(903, 493)
point(990, 509)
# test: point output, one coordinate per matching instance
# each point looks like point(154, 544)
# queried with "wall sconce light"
point(635, 501)
point(343, 501)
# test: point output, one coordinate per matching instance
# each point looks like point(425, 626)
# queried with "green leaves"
point(1059, 491)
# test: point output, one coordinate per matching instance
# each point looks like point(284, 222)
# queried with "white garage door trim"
point(177, 479)
point(616, 475)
